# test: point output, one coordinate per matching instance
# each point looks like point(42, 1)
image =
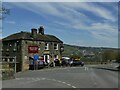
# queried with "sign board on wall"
point(33, 49)
point(46, 52)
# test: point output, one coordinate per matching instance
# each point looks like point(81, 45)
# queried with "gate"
point(10, 62)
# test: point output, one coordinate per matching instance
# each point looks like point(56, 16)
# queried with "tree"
point(75, 56)
point(109, 55)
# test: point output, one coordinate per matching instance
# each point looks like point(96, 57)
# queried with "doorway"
point(46, 58)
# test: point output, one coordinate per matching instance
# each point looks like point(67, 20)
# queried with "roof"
point(28, 36)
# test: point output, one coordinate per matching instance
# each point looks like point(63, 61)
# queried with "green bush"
point(7, 74)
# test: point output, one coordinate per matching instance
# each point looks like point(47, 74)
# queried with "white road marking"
point(116, 66)
point(43, 78)
point(33, 78)
point(69, 84)
point(74, 87)
point(53, 80)
point(38, 79)
point(59, 81)
point(17, 78)
point(64, 82)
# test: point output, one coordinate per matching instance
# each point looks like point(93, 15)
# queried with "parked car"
point(76, 63)
point(34, 65)
point(57, 62)
point(40, 64)
point(65, 62)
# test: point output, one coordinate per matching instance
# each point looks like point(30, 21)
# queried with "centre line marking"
point(64, 82)
point(69, 84)
point(74, 87)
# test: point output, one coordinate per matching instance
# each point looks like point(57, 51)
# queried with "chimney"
point(41, 30)
point(34, 32)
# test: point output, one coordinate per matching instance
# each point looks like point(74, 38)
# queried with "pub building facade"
point(26, 45)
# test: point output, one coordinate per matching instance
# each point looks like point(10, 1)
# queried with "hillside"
point(72, 49)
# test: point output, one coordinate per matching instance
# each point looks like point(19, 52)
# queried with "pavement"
point(89, 76)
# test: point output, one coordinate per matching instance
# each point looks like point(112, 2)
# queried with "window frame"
point(55, 46)
point(46, 46)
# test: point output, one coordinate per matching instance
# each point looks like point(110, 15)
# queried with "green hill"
point(68, 50)
point(72, 49)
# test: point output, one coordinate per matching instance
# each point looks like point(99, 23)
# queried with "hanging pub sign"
point(33, 49)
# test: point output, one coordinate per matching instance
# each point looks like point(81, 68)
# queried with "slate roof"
point(28, 36)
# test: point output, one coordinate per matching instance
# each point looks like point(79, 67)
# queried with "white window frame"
point(56, 46)
point(48, 57)
point(15, 44)
point(57, 57)
point(46, 46)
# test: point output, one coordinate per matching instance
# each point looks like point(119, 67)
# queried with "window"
point(46, 46)
point(11, 60)
point(56, 46)
point(3, 59)
point(56, 57)
point(7, 50)
point(15, 45)
point(6, 60)
point(9, 45)
point(14, 49)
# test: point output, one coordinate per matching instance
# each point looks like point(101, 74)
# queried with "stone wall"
point(25, 55)
point(21, 51)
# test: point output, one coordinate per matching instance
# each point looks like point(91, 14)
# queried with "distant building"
point(88, 54)
point(25, 45)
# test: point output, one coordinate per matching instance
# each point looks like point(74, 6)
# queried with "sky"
point(90, 24)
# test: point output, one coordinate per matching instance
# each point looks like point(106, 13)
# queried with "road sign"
point(36, 57)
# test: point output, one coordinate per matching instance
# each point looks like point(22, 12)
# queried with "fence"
point(9, 67)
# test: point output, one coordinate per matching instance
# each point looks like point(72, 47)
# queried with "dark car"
point(35, 65)
point(57, 62)
point(65, 62)
point(40, 64)
point(76, 63)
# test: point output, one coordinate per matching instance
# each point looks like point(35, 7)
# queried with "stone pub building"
point(25, 45)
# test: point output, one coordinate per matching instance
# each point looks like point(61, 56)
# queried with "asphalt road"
point(89, 76)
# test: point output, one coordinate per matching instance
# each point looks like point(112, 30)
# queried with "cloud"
point(68, 10)
point(97, 10)
point(99, 29)
point(75, 16)
point(104, 27)
point(10, 22)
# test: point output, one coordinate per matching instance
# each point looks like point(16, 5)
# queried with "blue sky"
point(93, 24)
